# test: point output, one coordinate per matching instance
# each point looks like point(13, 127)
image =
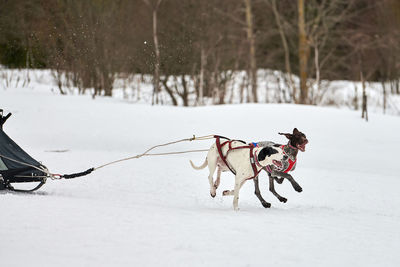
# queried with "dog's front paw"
point(283, 199)
point(299, 189)
point(266, 204)
point(296, 186)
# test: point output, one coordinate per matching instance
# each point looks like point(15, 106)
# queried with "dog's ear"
point(288, 135)
point(295, 131)
point(266, 151)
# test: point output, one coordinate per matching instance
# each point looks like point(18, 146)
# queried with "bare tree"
point(303, 54)
point(285, 45)
point(364, 111)
point(252, 51)
point(154, 5)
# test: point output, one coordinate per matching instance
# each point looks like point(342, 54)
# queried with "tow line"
point(55, 176)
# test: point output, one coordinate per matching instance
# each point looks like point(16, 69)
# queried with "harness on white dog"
point(253, 156)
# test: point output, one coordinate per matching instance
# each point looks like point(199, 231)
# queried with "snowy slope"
point(157, 211)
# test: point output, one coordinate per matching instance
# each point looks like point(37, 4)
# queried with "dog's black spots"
point(262, 154)
point(267, 151)
point(270, 151)
point(277, 145)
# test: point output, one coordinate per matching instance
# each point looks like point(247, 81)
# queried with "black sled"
point(16, 166)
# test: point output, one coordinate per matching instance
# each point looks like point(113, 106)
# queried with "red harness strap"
point(253, 159)
point(219, 148)
point(291, 162)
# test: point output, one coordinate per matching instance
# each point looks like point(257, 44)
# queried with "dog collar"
point(289, 145)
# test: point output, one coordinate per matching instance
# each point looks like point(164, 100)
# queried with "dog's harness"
point(291, 162)
point(253, 156)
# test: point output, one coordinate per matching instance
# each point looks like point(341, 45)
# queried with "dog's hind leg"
point(218, 181)
point(272, 189)
point(212, 165)
point(238, 184)
point(258, 194)
point(228, 192)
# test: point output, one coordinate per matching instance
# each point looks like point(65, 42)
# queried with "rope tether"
point(146, 153)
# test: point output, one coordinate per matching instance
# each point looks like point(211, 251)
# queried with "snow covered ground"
point(157, 211)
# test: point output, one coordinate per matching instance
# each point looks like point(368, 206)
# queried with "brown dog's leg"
point(295, 185)
point(272, 189)
point(258, 194)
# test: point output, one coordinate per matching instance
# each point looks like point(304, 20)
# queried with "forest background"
point(196, 47)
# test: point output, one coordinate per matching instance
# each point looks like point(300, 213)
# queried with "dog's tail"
point(200, 167)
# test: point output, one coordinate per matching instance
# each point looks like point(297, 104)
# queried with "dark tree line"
point(201, 41)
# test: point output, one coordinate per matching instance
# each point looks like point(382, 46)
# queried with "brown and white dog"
point(297, 141)
point(239, 161)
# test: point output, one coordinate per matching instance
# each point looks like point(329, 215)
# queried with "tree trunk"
point(384, 97)
point(243, 84)
point(355, 99)
point(317, 72)
point(285, 48)
point(169, 91)
point(185, 92)
point(57, 74)
point(107, 83)
point(303, 54)
point(156, 78)
point(252, 47)
point(364, 113)
point(203, 63)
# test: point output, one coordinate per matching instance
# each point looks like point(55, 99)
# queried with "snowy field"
point(157, 211)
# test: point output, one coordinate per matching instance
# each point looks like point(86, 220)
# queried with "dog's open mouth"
point(277, 163)
point(302, 147)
